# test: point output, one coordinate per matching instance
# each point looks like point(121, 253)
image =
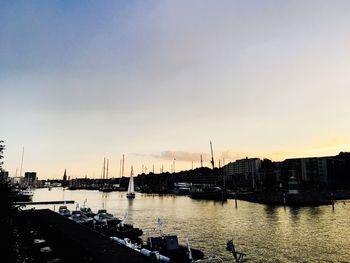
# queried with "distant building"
point(243, 166)
point(246, 171)
point(30, 178)
point(17, 180)
point(314, 172)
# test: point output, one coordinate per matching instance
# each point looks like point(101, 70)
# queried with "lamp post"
point(174, 165)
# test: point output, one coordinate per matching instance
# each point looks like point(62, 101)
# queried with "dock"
point(45, 203)
point(74, 242)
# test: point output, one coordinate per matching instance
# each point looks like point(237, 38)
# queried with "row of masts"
point(144, 168)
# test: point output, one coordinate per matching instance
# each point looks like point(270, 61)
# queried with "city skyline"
point(158, 80)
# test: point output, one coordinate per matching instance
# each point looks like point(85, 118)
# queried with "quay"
point(73, 242)
point(45, 203)
point(280, 199)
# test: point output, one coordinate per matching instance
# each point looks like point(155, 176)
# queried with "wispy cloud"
point(181, 156)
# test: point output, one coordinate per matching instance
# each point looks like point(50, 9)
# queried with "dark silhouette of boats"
point(163, 248)
point(209, 193)
point(168, 246)
point(87, 211)
point(106, 223)
point(107, 188)
point(122, 230)
point(105, 220)
point(80, 218)
point(64, 211)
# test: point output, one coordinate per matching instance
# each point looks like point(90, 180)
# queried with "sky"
point(157, 80)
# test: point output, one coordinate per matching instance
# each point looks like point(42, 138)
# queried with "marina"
point(263, 233)
point(175, 131)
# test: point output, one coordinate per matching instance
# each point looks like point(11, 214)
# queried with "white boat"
point(22, 195)
point(26, 194)
point(131, 191)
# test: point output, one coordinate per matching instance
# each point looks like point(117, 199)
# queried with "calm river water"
point(264, 233)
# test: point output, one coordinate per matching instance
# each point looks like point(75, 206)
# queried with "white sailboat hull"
point(131, 192)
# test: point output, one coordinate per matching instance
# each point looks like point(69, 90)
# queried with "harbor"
point(175, 131)
point(262, 232)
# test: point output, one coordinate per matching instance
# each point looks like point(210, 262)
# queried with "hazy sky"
point(157, 80)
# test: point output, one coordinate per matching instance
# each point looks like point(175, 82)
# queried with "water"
point(265, 234)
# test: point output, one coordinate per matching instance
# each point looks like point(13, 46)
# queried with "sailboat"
point(131, 192)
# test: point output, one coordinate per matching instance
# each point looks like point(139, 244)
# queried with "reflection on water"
point(264, 233)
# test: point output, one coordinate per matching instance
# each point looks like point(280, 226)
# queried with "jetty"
point(73, 242)
point(45, 203)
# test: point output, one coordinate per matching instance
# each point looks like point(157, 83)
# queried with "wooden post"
point(236, 200)
point(332, 201)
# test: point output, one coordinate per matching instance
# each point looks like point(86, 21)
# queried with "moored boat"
point(80, 218)
point(87, 212)
point(104, 219)
point(209, 193)
point(168, 246)
point(64, 211)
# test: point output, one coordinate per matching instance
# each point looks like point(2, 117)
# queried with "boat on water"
point(153, 255)
point(22, 194)
point(25, 194)
point(166, 249)
point(106, 188)
point(80, 218)
point(64, 211)
point(168, 245)
point(87, 212)
point(104, 219)
point(131, 191)
point(121, 229)
point(209, 193)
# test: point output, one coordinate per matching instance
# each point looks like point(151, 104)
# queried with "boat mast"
point(212, 156)
point(123, 166)
point(104, 168)
point(120, 168)
point(107, 168)
point(20, 173)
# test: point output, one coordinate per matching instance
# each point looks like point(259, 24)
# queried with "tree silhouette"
point(2, 147)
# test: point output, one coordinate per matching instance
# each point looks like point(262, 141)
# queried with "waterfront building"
point(314, 172)
point(245, 172)
point(30, 179)
point(293, 186)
